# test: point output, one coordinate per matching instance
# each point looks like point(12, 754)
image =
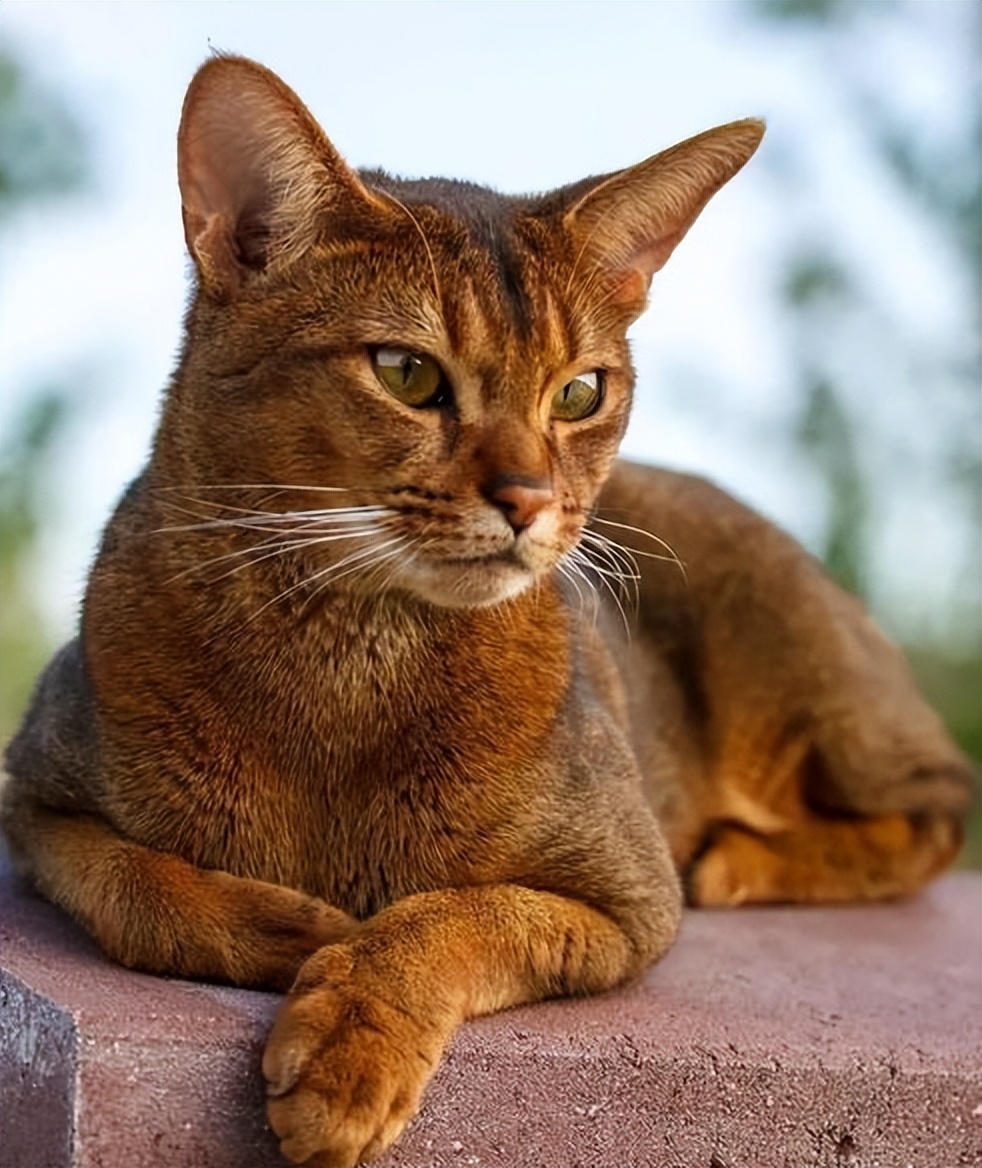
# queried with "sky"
point(522, 96)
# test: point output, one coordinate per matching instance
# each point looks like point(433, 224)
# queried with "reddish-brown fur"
point(415, 781)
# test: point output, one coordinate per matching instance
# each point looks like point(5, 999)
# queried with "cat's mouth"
point(470, 581)
point(507, 557)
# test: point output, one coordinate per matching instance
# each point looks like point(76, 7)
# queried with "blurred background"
point(813, 346)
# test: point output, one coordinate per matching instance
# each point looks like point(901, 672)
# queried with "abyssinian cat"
point(342, 720)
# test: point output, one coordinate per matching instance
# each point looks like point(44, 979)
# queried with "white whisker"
point(308, 580)
point(371, 564)
point(410, 554)
point(332, 572)
point(255, 487)
point(672, 556)
point(254, 520)
point(569, 569)
point(619, 557)
point(606, 576)
point(271, 548)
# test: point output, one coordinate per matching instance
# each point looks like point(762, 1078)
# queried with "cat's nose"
point(519, 499)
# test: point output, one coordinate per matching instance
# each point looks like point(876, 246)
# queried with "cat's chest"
point(370, 696)
point(355, 698)
point(374, 754)
point(371, 810)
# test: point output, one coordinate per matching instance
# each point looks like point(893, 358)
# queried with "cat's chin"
point(468, 583)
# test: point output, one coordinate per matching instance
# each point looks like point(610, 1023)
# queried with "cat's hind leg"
point(153, 911)
point(854, 802)
point(822, 861)
point(823, 774)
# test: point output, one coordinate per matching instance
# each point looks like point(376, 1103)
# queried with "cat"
point(351, 714)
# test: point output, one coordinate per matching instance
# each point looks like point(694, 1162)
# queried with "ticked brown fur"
point(342, 719)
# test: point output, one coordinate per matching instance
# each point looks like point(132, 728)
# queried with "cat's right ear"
point(257, 174)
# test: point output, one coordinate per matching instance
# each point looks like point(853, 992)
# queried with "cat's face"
point(437, 376)
point(476, 410)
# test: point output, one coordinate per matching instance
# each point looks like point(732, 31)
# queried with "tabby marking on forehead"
point(482, 330)
point(555, 339)
point(467, 323)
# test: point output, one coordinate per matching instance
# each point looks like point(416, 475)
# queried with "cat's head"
point(436, 375)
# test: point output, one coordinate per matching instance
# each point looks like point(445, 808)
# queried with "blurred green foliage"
point(825, 432)
point(42, 149)
point(26, 457)
point(940, 176)
point(43, 156)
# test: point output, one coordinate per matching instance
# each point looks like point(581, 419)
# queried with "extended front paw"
point(345, 1067)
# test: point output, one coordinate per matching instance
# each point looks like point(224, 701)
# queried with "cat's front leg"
point(153, 911)
point(362, 1030)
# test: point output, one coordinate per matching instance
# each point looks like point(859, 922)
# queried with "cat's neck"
point(390, 668)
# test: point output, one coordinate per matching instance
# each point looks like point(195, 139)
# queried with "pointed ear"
point(631, 221)
point(256, 173)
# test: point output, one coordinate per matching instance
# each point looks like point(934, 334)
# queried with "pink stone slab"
point(768, 1038)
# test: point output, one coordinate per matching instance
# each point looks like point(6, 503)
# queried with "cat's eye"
point(412, 378)
point(579, 398)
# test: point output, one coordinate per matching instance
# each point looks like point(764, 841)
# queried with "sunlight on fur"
point(395, 690)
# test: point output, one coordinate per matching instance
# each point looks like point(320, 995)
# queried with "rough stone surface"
point(768, 1038)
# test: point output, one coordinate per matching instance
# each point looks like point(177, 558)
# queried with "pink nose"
point(519, 499)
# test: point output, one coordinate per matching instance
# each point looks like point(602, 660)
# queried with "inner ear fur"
point(631, 221)
point(256, 172)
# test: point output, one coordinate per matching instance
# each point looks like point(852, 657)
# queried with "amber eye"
point(580, 398)
point(412, 378)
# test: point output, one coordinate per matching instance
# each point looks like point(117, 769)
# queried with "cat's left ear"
point(631, 221)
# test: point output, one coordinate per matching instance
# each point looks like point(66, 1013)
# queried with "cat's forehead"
point(503, 279)
point(473, 227)
point(468, 202)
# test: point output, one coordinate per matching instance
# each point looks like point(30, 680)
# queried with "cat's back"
point(54, 757)
point(55, 754)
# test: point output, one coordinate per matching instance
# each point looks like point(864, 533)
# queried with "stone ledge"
point(768, 1038)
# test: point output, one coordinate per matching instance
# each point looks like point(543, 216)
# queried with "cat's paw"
point(269, 931)
point(730, 872)
point(345, 1068)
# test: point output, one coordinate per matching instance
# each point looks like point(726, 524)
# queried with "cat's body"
point(343, 707)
